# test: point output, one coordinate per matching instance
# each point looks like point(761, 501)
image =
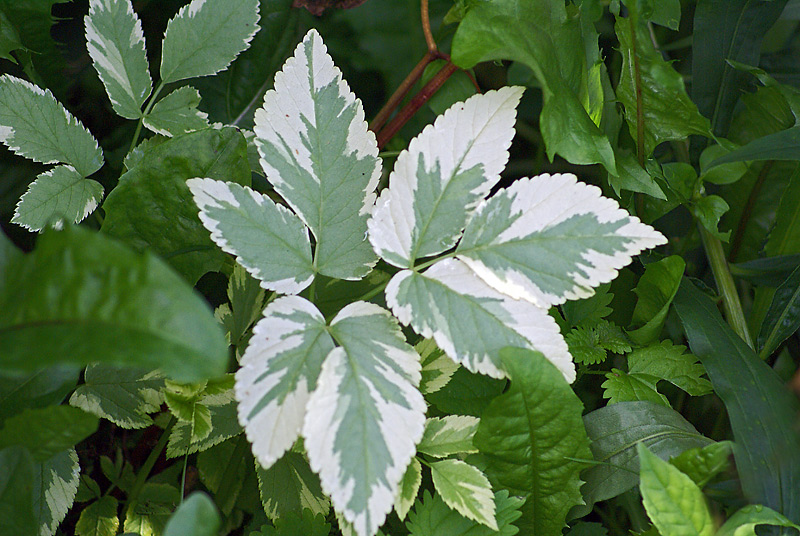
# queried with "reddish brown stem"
point(401, 92)
point(426, 27)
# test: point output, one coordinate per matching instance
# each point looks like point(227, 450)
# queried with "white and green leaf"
point(466, 490)
point(318, 154)
point(58, 195)
point(177, 113)
point(472, 321)
point(206, 36)
point(221, 411)
point(267, 239)
point(437, 368)
point(35, 125)
point(116, 45)
point(366, 415)
point(551, 238)
point(439, 181)
point(448, 435)
point(280, 370)
point(55, 484)
point(409, 488)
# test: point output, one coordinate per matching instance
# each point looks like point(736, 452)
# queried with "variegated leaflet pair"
point(350, 385)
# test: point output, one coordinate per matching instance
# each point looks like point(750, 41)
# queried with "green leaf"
point(431, 515)
point(591, 310)
point(9, 38)
point(34, 125)
point(57, 195)
point(303, 522)
point(583, 346)
point(152, 196)
point(445, 436)
point(783, 145)
point(124, 396)
point(709, 210)
point(205, 37)
point(99, 518)
point(439, 181)
point(246, 299)
point(529, 436)
point(664, 12)
point(768, 271)
point(149, 515)
point(783, 316)
point(437, 368)
point(467, 393)
point(784, 236)
point(319, 156)
point(223, 470)
point(111, 305)
point(55, 484)
point(466, 490)
point(631, 176)
point(290, 486)
point(745, 520)
point(116, 45)
point(218, 416)
point(765, 448)
point(622, 387)
point(724, 174)
point(177, 113)
point(409, 489)
point(16, 492)
point(196, 515)
point(674, 503)
point(703, 464)
point(655, 291)
point(458, 87)
point(48, 431)
point(36, 390)
point(267, 239)
point(669, 362)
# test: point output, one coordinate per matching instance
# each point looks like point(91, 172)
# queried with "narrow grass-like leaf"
point(466, 490)
point(318, 154)
point(34, 125)
point(267, 239)
point(471, 321)
point(280, 369)
point(177, 113)
point(409, 488)
point(783, 316)
point(550, 238)
point(55, 483)
point(206, 36)
point(366, 408)
point(783, 145)
point(431, 515)
point(438, 182)
point(655, 291)
point(670, 362)
point(57, 195)
point(116, 45)
point(448, 435)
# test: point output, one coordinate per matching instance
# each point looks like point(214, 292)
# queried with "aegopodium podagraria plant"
point(475, 273)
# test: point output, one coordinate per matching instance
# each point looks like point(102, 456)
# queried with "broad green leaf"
point(116, 45)
point(267, 239)
point(622, 387)
point(631, 176)
point(16, 492)
point(109, 305)
point(34, 125)
point(530, 436)
point(290, 486)
point(655, 291)
point(9, 38)
point(99, 518)
point(222, 423)
point(319, 156)
point(784, 237)
point(467, 393)
point(206, 36)
point(466, 490)
point(149, 515)
point(723, 174)
point(55, 196)
point(55, 483)
point(448, 435)
point(152, 197)
point(765, 448)
point(745, 521)
point(445, 173)
point(366, 407)
point(550, 239)
point(280, 370)
point(36, 390)
point(409, 489)
point(703, 464)
point(431, 515)
point(196, 515)
point(767, 271)
point(783, 145)
point(670, 362)
point(48, 431)
point(709, 210)
point(177, 113)
point(674, 503)
point(664, 12)
point(303, 522)
point(437, 368)
point(124, 396)
point(9, 253)
point(223, 470)
point(471, 321)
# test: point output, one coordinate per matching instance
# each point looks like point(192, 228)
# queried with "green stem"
point(150, 104)
point(148, 465)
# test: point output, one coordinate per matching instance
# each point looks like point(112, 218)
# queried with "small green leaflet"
point(290, 486)
point(431, 515)
point(55, 483)
point(318, 154)
point(58, 195)
point(267, 239)
point(437, 368)
point(622, 387)
point(206, 36)
point(409, 488)
point(439, 181)
point(99, 518)
point(448, 435)
point(177, 113)
point(466, 490)
point(670, 362)
point(221, 413)
point(116, 45)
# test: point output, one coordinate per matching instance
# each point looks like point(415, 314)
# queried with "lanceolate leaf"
point(438, 182)
point(451, 434)
point(366, 408)
point(267, 239)
point(471, 321)
point(55, 483)
point(34, 125)
point(318, 154)
point(783, 316)
point(206, 36)
point(409, 488)
point(116, 44)
point(58, 195)
point(550, 238)
point(466, 490)
point(279, 372)
point(177, 113)
point(655, 292)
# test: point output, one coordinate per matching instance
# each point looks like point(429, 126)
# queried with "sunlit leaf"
point(177, 113)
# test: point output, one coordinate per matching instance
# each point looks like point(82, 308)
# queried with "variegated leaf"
point(280, 368)
point(438, 182)
point(366, 415)
point(449, 435)
point(409, 488)
point(551, 238)
point(437, 368)
point(55, 483)
point(318, 154)
point(471, 321)
point(35, 125)
point(466, 490)
point(177, 113)
point(268, 240)
point(116, 45)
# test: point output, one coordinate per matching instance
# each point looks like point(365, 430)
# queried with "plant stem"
point(148, 465)
point(401, 92)
point(725, 285)
point(638, 90)
point(426, 27)
point(150, 104)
